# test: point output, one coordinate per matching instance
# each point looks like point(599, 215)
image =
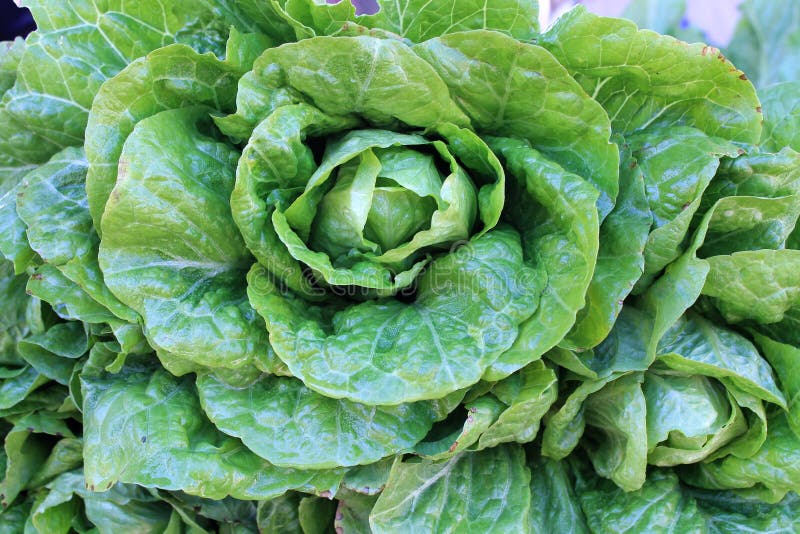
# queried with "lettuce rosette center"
point(376, 207)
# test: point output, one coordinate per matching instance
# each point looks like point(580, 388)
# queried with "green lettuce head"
point(361, 182)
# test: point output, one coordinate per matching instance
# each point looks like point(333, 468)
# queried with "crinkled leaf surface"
point(467, 311)
point(503, 77)
point(171, 250)
point(642, 78)
point(146, 427)
point(286, 423)
point(430, 496)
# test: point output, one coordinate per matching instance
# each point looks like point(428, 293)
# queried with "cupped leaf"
point(425, 496)
point(171, 77)
point(642, 78)
point(555, 212)
point(659, 506)
point(784, 360)
point(502, 79)
point(171, 251)
point(389, 351)
point(480, 415)
point(618, 449)
point(284, 422)
point(756, 286)
point(528, 394)
point(53, 353)
point(697, 346)
point(146, 427)
point(677, 164)
point(773, 467)
point(380, 81)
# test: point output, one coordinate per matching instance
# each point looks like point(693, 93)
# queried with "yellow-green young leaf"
point(417, 20)
point(171, 251)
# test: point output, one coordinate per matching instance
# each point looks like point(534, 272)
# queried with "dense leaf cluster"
point(277, 266)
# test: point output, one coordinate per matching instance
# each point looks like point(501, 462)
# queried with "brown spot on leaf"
point(36, 276)
point(743, 76)
point(685, 206)
point(758, 109)
point(740, 151)
point(634, 164)
point(453, 446)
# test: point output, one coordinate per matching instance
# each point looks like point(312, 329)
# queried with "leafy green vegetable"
point(293, 266)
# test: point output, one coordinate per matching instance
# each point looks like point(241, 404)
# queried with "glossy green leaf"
point(315, 514)
point(425, 496)
point(280, 514)
point(393, 340)
point(14, 324)
point(184, 275)
point(145, 427)
point(697, 346)
point(171, 77)
point(659, 506)
point(554, 211)
point(781, 116)
point(501, 79)
point(417, 20)
point(480, 415)
point(289, 425)
point(553, 499)
point(620, 259)
point(642, 78)
point(80, 44)
point(616, 415)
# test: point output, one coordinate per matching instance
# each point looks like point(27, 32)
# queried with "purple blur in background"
point(14, 21)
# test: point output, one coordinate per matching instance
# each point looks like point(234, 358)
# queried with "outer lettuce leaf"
point(677, 164)
point(185, 275)
point(52, 204)
point(730, 513)
point(553, 499)
point(757, 286)
point(774, 467)
point(620, 259)
point(502, 77)
point(78, 45)
point(618, 449)
point(146, 427)
point(643, 79)
point(764, 44)
point(284, 422)
point(659, 506)
point(171, 77)
point(390, 352)
point(16, 314)
point(426, 496)
point(784, 359)
point(555, 211)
